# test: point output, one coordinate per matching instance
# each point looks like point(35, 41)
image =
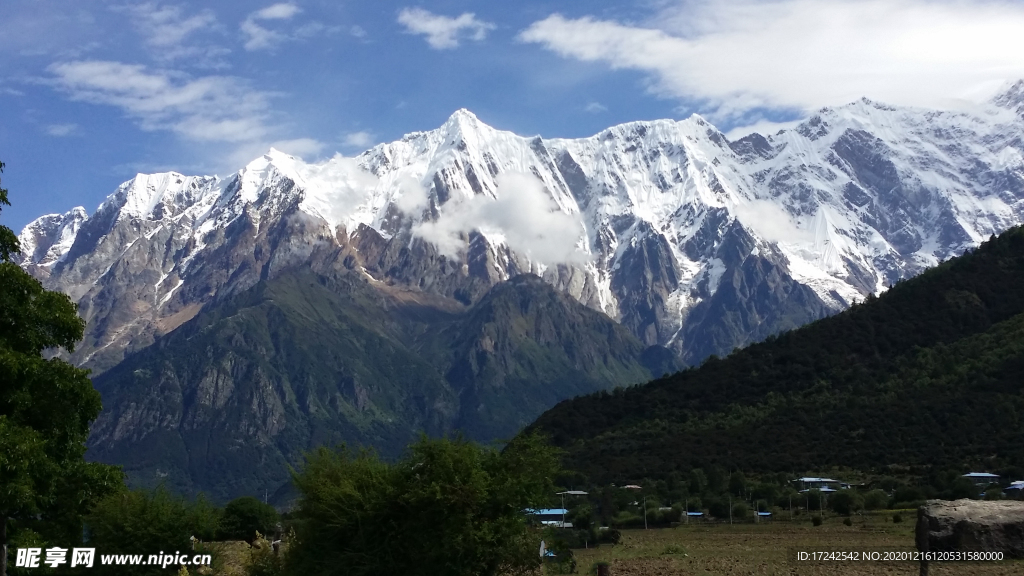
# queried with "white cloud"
point(735, 57)
point(441, 31)
point(209, 108)
point(306, 148)
point(260, 38)
point(524, 215)
point(361, 139)
point(763, 127)
point(280, 11)
point(771, 222)
point(165, 30)
point(61, 130)
point(595, 108)
point(357, 32)
point(412, 198)
point(301, 147)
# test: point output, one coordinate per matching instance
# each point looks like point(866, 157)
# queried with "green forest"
point(925, 377)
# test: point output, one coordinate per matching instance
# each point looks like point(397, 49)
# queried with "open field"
point(765, 549)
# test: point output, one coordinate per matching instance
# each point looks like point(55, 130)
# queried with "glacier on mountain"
point(690, 240)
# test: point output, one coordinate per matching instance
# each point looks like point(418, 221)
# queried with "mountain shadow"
point(231, 399)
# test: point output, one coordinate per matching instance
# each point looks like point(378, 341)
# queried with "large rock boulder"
point(971, 525)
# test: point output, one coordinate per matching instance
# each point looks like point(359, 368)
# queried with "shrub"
point(610, 536)
point(740, 511)
point(964, 488)
point(846, 502)
point(847, 521)
point(675, 549)
point(626, 519)
point(262, 559)
point(876, 500)
point(908, 494)
point(816, 520)
point(897, 517)
point(244, 517)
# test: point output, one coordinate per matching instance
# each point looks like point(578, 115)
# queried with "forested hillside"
point(229, 400)
point(930, 374)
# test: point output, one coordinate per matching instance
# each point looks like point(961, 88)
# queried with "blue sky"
point(92, 92)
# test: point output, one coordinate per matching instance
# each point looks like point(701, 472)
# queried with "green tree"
point(698, 481)
point(876, 499)
point(845, 502)
point(450, 508)
point(148, 522)
point(244, 516)
point(46, 406)
point(737, 484)
point(740, 511)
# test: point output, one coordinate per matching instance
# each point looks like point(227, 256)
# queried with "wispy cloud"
point(61, 130)
point(595, 108)
point(261, 38)
point(209, 108)
point(761, 126)
point(241, 155)
point(524, 215)
point(168, 32)
point(730, 58)
point(443, 32)
point(361, 139)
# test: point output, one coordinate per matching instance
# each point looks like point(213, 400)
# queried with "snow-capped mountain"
point(690, 240)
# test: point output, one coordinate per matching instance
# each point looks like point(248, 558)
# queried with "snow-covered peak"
point(47, 239)
point(847, 202)
point(156, 196)
point(1012, 98)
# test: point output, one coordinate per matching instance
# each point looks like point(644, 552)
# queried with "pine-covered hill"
point(930, 374)
point(231, 399)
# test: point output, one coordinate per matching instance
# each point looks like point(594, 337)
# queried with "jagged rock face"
point(225, 403)
point(689, 240)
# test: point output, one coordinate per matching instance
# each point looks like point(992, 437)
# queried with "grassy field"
point(718, 549)
point(766, 548)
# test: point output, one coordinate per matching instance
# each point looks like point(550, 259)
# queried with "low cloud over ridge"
point(523, 215)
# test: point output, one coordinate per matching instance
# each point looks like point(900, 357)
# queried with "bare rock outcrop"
point(972, 525)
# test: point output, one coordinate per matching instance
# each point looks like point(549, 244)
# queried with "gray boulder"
point(971, 525)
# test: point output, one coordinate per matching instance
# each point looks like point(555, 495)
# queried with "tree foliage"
point(148, 522)
point(450, 508)
point(46, 406)
point(927, 375)
point(245, 516)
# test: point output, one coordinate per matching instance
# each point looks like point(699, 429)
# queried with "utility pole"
point(645, 512)
point(730, 508)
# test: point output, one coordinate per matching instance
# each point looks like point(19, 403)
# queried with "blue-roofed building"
point(551, 517)
point(982, 478)
point(821, 484)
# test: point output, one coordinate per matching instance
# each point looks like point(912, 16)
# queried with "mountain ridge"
point(658, 213)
